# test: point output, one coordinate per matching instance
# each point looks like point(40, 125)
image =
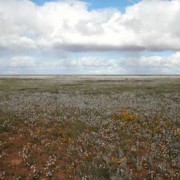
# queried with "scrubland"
point(90, 127)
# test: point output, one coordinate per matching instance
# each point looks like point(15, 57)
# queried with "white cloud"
point(129, 65)
point(37, 37)
point(22, 62)
point(69, 26)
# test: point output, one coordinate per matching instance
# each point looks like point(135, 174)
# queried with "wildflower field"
point(90, 127)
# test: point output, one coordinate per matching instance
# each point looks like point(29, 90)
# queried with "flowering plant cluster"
point(82, 134)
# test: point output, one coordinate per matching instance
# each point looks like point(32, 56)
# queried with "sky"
point(89, 37)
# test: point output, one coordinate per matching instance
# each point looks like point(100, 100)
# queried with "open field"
point(90, 127)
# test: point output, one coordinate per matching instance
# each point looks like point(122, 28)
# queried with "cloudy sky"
point(89, 36)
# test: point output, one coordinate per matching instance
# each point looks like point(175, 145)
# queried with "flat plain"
point(89, 127)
